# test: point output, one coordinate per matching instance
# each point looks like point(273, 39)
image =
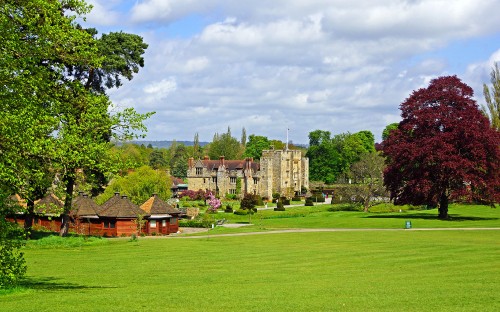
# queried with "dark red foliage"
point(443, 149)
point(194, 195)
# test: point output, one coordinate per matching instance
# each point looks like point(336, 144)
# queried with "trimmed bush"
point(249, 201)
point(193, 223)
point(318, 198)
point(309, 202)
point(279, 206)
point(241, 212)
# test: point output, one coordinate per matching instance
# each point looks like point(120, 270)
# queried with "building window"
point(214, 179)
point(109, 224)
point(232, 180)
point(163, 222)
point(255, 180)
point(152, 223)
point(232, 191)
point(199, 171)
point(173, 220)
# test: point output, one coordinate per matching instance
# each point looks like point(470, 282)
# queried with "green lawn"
point(347, 271)
point(462, 216)
point(402, 270)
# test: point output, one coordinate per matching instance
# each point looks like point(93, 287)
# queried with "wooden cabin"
point(163, 217)
point(48, 212)
point(120, 217)
point(17, 208)
point(85, 215)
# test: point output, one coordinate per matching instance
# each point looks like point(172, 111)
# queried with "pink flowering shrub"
point(213, 203)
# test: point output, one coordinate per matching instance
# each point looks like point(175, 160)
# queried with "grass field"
point(461, 216)
point(401, 270)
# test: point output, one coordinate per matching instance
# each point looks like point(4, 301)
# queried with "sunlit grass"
point(347, 271)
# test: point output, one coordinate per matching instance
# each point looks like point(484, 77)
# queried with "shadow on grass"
point(452, 217)
point(51, 284)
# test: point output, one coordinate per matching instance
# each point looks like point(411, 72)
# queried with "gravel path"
point(195, 230)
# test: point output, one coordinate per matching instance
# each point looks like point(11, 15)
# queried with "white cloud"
point(166, 10)
point(102, 13)
point(309, 64)
point(161, 88)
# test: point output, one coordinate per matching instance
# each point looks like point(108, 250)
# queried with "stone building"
point(279, 171)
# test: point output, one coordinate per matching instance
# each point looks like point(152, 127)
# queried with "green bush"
point(193, 223)
point(284, 200)
point(248, 201)
point(231, 196)
point(346, 207)
point(241, 212)
point(276, 196)
point(318, 198)
point(279, 206)
point(12, 263)
point(309, 201)
point(259, 201)
point(228, 209)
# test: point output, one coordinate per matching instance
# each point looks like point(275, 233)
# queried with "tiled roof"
point(121, 207)
point(84, 206)
point(16, 202)
point(229, 164)
point(109, 202)
point(177, 181)
point(50, 204)
point(155, 206)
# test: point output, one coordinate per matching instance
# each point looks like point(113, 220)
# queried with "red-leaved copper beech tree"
point(444, 149)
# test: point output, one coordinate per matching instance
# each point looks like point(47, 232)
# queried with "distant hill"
point(166, 144)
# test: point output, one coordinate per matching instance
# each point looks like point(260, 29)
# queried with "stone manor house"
point(279, 171)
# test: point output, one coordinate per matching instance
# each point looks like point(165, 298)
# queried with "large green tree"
point(39, 39)
point(331, 157)
point(321, 156)
point(492, 97)
point(255, 145)
point(139, 185)
point(224, 145)
point(368, 140)
point(86, 124)
point(368, 178)
point(52, 84)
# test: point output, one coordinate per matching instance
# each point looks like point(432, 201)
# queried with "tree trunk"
point(70, 184)
point(28, 220)
point(366, 204)
point(443, 207)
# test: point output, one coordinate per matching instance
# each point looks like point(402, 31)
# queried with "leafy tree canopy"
point(388, 129)
point(331, 157)
point(224, 145)
point(443, 149)
point(255, 145)
point(492, 97)
point(139, 185)
point(368, 140)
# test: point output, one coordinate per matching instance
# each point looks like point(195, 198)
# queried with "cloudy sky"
point(335, 65)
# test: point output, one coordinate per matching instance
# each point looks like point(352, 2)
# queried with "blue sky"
point(335, 65)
